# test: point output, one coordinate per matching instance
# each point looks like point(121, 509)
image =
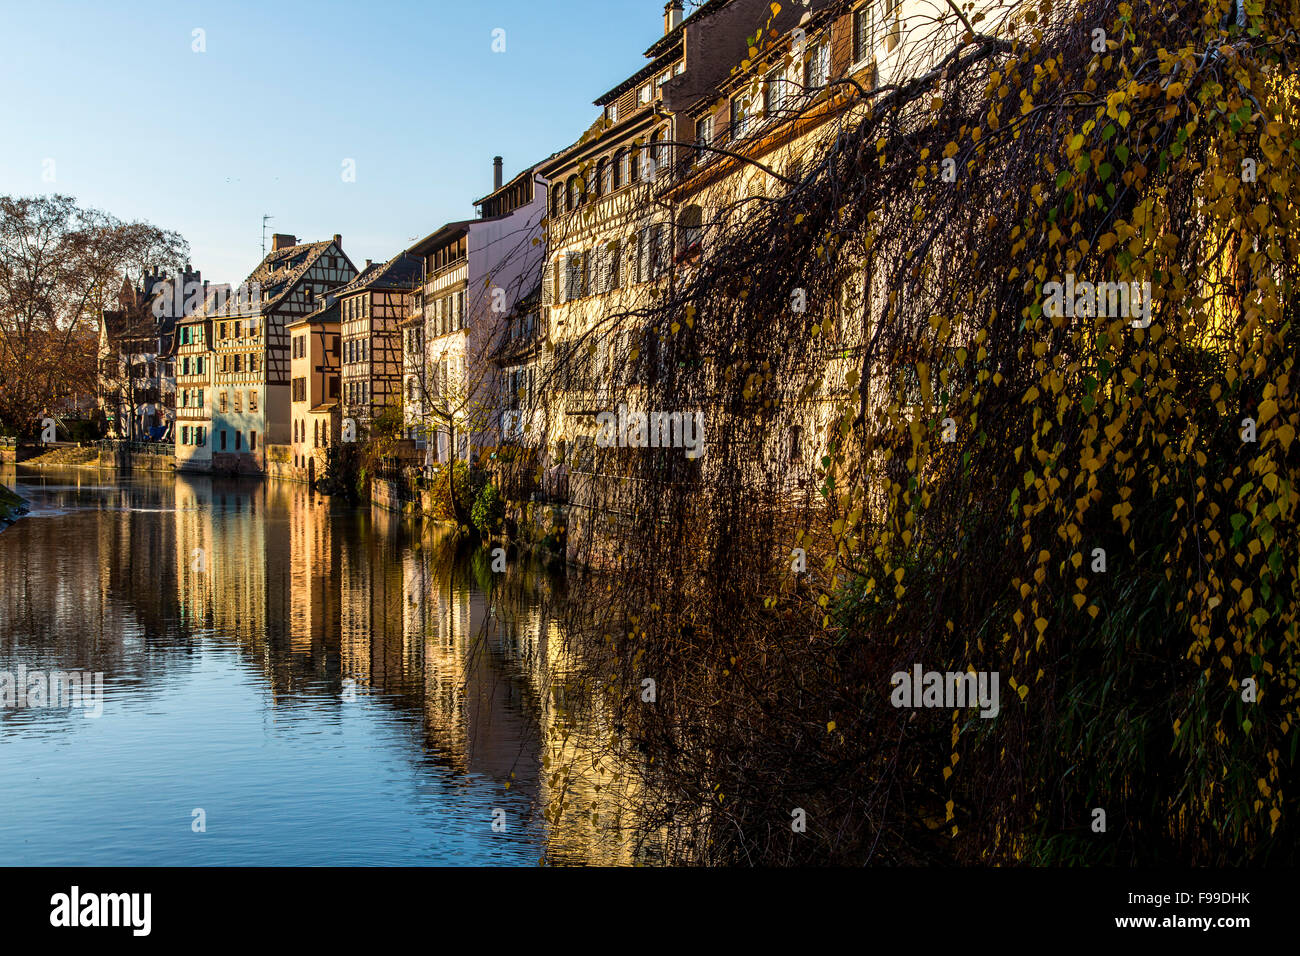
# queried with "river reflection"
point(324, 683)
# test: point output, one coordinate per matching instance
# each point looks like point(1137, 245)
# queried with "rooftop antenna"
point(265, 220)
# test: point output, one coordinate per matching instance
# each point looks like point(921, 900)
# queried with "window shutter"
point(643, 255)
point(615, 264)
point(548, 277)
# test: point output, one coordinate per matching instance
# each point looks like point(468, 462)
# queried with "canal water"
point(287, 680)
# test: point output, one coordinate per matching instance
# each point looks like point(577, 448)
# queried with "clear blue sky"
point(205, 143)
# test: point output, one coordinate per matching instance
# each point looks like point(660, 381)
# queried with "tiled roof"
point(326, 314)
point(401, 272)
point(279, 272)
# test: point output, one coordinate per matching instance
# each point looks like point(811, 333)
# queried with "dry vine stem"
point(1098, 510)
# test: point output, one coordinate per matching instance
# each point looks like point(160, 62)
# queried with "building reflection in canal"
point(336, 606)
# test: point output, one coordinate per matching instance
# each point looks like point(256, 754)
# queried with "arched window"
point(604, 184)
point(571, 191)
point(620, 162)
point(557, 199)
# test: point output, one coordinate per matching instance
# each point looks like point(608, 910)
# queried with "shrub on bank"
point(489, 510)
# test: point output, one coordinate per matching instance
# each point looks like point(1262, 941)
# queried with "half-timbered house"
point(371, 307)
point(193, 393)
point(316, 354)
point(250, 346)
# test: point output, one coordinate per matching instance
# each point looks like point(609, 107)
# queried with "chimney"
point(496, 173)
point(282, 241)
point(369, 263)
point(338, 241)
point(673, 16)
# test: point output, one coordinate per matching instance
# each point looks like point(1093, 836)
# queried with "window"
point(704, 137)
point(646, 94)
point(817, 66)
point(252, 441)
point(612, 276)
point(691, 225)
point(659, 250)
point(652, 252)
point(613, 112)
point(604, 177)
point(739, 117)
point(573, 271)
point(252, 400)
point(239, 397)
point(776, 94)
point(571, 193)
point(620, 168)
point(223, 439)
point(658, 154)
point(334, 386)
point(222, 400)
point(863, 27)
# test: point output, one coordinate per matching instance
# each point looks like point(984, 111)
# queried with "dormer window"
point(647, 93)
point(613, 112)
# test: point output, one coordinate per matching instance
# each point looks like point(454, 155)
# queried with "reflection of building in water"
point(237, 561)
point(587, 789)
point(138, 553)
point(195, 588)
point(315, 615)
point(477, 714)
point(511, 662)
point(375, 650)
